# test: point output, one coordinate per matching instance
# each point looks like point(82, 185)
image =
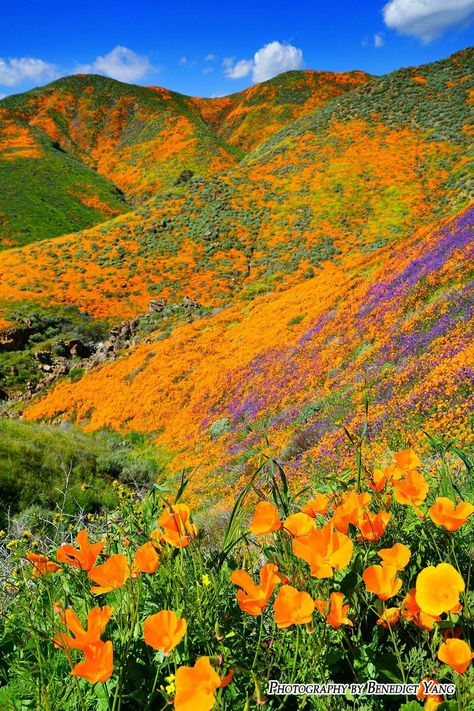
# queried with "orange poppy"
point(324, 549)
point(407, 459)
point(265, 519)
point(146, 559)
point(98, 665)
point(97, 620)
point(334, 611)
point(444, 513)
point(84, 557)
point(292, 607)
point(412, 612)
point(164, 630)
point(253, 598)
point(379, 480)
point(318, 505)
point(350, 510)
point(456, 653)
point(396, 556)
point(382, 581)
point(372, 526)
point(196, 686)
point(299, 524)
point(178, 529)
point(389, 617)
point(41, 564)
point(110, 575)
point(432, 700)
point(438, 588)
point(412, 490)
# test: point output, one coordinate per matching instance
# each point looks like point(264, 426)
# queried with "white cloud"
point(2, 96)
point(207, 70)
point(16, 71)
point(379, 40)
point(426, 19)
point(183, 60)
point(239, 70)
point(121, 63)
point(272, 59)
point(210, 58)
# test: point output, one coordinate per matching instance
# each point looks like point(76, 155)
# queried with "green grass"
point(52, 205)
point(43, 467)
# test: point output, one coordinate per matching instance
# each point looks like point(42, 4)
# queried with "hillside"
point(249, 117)
point(292, 368)
point(331, 259)
point(359, 173)
point(63, 194)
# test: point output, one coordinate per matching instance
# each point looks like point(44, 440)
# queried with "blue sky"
point(215, 48)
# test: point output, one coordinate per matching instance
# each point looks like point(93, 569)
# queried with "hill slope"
point(45, 191)
point(357, 174)
point(334, 258)
point(292, 368)
point(249, 117)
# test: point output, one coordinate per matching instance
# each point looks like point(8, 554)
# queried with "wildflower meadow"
point(360, 576)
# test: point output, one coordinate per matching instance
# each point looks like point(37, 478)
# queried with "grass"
point(192, 571)
point(44, 467)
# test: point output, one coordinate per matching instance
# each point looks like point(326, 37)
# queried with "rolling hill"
point(321, 222)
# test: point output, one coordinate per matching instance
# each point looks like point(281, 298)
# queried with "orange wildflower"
point(253, 598)
point(164, 630)
point(178, 529)
point(299, 524)
point(412, 612)
point(98, 665)
point(350, 510)
point(97, 621)
point(396, 556)
point(372, 526)
point(41, 564)
point(438, 589)
point(432, 700)
point(412, 490)
point(146, 559)
point(334, 611)
point(265, 519)
point(407, 460)
point(324, 549)
point(318, 505)
point(110, 575)
point(389, 617)
point(84, 557)
point(456, 653)
point(378, 480)
point(196, 686)
point(444, 513)
point(382, 581)
point(292, 607)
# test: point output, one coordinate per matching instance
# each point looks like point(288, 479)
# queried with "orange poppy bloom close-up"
point(292, 607)
point(382, 581)
point(176, 524)
point(97, 620)
point(438, 588)
point(110, 575)
point(445, 513)
point(98, 665)
point(196, 686)
point(164, 630)
point(325, 550)
point(83, 557)
point(265, 519)
point(253, 598)
point(456, 653)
